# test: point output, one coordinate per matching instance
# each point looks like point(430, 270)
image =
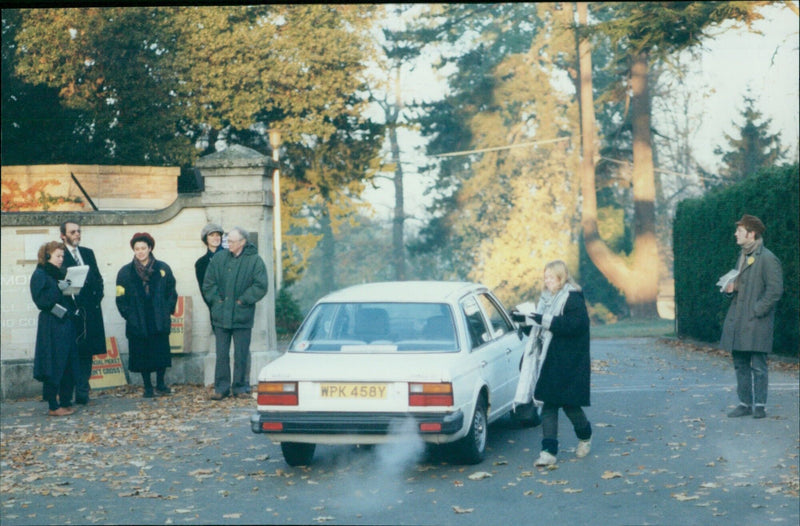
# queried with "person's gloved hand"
point(63, 284)
point(537, 317)
point(517, 316)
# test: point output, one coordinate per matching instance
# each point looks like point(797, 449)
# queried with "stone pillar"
point(238, 192)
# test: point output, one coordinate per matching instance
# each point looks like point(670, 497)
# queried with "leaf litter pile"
point(113, 440)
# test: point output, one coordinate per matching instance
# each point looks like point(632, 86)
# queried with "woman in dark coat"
point(146, 299)
point(55, 362)
point(563, 382)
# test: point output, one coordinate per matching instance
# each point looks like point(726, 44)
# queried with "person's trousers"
point(82, 387)
point(752, 377)
point(60, 394)
point(241, 361)
point(581, 425)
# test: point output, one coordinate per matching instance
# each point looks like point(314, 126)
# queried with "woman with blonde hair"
point(55, 361)
point(562, 380)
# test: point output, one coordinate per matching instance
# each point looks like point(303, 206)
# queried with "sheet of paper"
point(528, 307)
point(76, 277)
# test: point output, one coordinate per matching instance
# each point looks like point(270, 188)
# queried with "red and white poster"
point(107, 370)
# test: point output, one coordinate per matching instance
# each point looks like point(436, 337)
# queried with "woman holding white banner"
point(556, 370)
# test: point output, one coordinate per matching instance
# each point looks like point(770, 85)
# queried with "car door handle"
point(508, 351)
point(484, 363)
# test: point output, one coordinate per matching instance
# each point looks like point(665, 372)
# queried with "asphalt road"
point(663, 453)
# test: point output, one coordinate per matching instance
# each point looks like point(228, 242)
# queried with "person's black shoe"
point(163, 390)
point(82, 401)
point(741, 410)
point(148, 392)
point(759, 412)
point(218, 396)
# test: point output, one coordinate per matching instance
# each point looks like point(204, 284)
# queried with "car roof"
point(404, 291)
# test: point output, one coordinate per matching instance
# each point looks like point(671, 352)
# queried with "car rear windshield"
point(377, 327)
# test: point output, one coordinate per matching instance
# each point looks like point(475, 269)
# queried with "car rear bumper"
point(328, 423)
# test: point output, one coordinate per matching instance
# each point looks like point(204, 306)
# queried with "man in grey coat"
point(235, 281)
point(748, 328)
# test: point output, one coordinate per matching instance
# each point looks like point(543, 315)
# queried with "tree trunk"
point(639, 283)
point(398, 223)
point(328, 250)
point(642, 294)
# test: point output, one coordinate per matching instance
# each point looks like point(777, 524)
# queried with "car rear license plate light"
point(430, 394)
point(277, 393)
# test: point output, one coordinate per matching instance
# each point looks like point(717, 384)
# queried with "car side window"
point(476, 326)
point(500, 325)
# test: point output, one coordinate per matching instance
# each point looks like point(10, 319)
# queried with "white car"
point(445, 355)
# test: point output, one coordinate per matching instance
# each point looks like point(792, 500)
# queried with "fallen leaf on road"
point(479, 475)
point(459, 509)
point(571, 490)
point(232, 516)
point(683, 497)
point(611, 475)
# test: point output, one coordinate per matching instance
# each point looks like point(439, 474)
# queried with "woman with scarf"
point(556, 369)
point(55, 362)
point(146, 299)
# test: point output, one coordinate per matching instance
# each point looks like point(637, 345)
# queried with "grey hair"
point(242, 232)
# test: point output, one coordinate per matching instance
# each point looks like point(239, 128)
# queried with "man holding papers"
point(91, 333)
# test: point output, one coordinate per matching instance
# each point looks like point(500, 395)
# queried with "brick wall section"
point(109, 187)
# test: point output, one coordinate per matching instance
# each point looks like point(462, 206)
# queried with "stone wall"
point(238, 184)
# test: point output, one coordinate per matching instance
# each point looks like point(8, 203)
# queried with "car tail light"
point(277, 393)
point(424, 394)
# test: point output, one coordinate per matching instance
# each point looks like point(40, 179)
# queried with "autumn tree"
point(395, 52)
point(642, 32)
point(754, 148)
point(113, 67)
point(507, 199)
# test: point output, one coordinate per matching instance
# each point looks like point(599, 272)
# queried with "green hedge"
point(705, 248)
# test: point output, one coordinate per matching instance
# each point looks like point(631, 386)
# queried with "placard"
point(180, 335)
point(107, 370)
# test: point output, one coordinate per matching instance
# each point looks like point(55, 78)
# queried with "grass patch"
point(629, 328)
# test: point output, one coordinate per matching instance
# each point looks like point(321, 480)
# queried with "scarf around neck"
point(747, 250)
point(54, 272)
point(144, 271)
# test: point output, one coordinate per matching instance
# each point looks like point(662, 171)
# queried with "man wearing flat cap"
point(211, 235)
point(748, 328)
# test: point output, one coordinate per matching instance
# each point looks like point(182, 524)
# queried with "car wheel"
point(526, 415)
point(472, 448)
point(297, 453)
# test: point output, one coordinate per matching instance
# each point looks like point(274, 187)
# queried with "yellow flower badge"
point(120, 290)
point(163, 273)
point(750, 260)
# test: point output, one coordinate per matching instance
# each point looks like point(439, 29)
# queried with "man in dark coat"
point(235, 281)
point(91, 332)
point(747, 331)
point(211, 235)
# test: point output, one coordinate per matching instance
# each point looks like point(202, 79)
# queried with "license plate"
point(366, 391)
